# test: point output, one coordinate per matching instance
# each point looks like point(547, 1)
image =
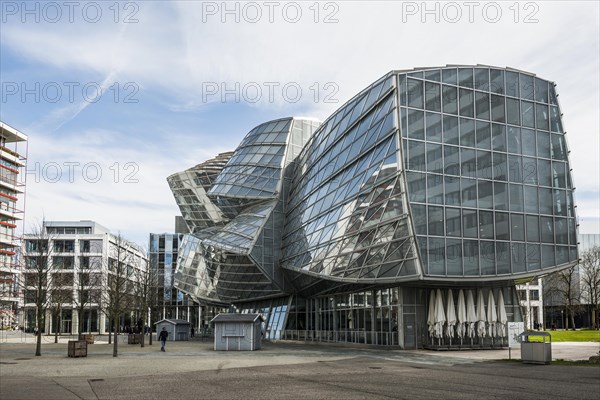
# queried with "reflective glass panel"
point(432, 96)
point(415, 93)
point(454, 256)
point(453, 222)
point(450, 96)
point(517, 228)
point(532, 228)
point(527, 114)
point(467, 132)
point(488, 257)
point(471, 257)
point(466, 103)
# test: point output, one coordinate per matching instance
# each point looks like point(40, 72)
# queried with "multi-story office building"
point(531, 297)
point(13, 154)
point(557, 292)
point(428, 189)
point(552, 313)
point(81, 257)
point(172, 303)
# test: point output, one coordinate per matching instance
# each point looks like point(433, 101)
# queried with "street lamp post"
point(562, 318)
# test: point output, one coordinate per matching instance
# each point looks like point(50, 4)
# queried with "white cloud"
point(173, 53)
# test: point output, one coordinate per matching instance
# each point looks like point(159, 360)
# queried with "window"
point(482, 105)
point(84, 262)
point(450, 96)
point(534, 295)
point(84, 246)
point(432, 96)
point(37, 245)
point(30, 296)
point(64, 246)
point(471, 257)
point(466, 103)
point(415, 93)
point(436, 220)
point(63, 262)
point(31, 262)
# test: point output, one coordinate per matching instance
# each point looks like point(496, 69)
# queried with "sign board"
point(514, 330)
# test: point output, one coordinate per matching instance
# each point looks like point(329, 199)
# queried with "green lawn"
point(586, 335)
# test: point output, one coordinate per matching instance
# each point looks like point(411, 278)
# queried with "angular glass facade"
point(488, 178)
point(451, 176)
point(189, 188)
point(236, 256)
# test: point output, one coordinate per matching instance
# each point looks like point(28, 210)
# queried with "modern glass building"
point(451, 180)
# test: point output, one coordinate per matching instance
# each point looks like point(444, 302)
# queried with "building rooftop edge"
point(12, 134)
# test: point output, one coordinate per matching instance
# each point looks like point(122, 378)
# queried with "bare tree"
point(59, 293)
point(87, 291)
point(39, 264)
point(145, 293)
point(562, 287)
point(118, 284)
point(590, 281)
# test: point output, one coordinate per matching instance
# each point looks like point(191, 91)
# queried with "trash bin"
point(536, 352)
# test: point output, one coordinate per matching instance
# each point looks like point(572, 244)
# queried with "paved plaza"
point(192, 370)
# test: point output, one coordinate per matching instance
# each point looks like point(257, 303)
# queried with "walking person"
point(163, 338)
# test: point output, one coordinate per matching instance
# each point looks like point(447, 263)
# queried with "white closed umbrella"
point(461, 315)
point(440, 317)
point(450, 315)
point(481, 317)
point(471, 315)
point(502, 319)
point(492, 317)
point(431, 313)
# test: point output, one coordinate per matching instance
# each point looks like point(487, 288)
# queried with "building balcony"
point(11, 156)
point(10, 268)
point(8, 240)
point(10, 212)
point(12, 298)
point(11, 185)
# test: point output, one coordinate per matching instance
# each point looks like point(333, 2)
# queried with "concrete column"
point(48, 323)
point(336, 322)
point(74, 323)
point(373, 317)
point(199, 317)
point(102, 323)
point(400, 317)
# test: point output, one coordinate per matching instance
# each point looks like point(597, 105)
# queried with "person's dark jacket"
point(163, 335)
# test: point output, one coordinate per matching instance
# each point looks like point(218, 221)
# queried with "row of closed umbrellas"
point(467, 318)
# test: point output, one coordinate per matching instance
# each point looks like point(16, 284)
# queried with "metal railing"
point(355, 336)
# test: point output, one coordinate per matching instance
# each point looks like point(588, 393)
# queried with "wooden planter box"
point(89, 339)
point(77, 348)
point(134, 338)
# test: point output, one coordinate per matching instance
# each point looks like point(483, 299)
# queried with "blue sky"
point(163, 70)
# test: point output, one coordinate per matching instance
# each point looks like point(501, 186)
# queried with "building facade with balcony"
point(428, 189)
point(81, 257)
point(13, 155)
